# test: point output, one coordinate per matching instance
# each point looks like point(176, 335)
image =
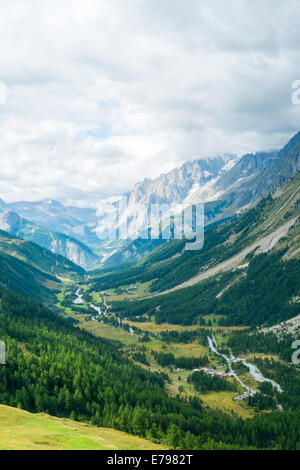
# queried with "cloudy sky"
point(99, 94)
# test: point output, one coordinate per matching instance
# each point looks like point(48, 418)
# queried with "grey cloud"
point(102, 94)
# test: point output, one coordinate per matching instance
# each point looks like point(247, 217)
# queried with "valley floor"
point(130, 336)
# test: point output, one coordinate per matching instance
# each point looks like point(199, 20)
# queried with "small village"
point(212, 372)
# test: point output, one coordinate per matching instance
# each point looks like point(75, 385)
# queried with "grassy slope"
point(20, 430)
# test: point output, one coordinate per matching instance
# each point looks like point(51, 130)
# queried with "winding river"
point(79, 301)
point(98, 309)
point(253, 370)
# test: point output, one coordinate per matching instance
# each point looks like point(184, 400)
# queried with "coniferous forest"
point(150, 227)
point(55, 368)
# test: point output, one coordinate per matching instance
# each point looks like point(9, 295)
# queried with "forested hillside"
point(264, 294)
point(166, 270)
point(38, 257)
point(55, 368)
point(27, 280)
point(61, 369)
point(35, 272)
point(170, 265)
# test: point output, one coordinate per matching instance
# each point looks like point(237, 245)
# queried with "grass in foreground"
point(20, 430)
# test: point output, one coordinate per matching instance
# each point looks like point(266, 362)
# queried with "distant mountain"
point(132, 251)
point(233, 190)
point(177, 185)
point(283, 167)
point(247, 168)
point(254, 176)
point(53, 214)
point(39, 257)
point(273, 225)
point(71, 231)
point(33, 271)
point(259, 175)
point(56, 242)
point(225, 185)
point(73, 221)
point(218, 182)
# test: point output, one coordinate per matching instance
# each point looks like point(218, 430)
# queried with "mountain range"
point(226, 184)
point(183, 284)
point(56, 242)
point(62, 230)
point(196, 341)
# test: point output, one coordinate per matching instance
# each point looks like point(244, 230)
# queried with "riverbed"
point(253, 370)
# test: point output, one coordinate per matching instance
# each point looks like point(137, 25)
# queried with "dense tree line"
point(166, 359)
point(186, 336)
point(288, 376)
point(183, 307)
point(261, 402)
point(140, 357)
point(204, 383)
point(259, 342)
point(25, 279)
point(265, 295)
point(55, 368)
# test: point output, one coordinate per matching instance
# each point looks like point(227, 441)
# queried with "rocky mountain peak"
point(174, 186)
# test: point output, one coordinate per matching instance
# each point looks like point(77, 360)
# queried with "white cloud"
point(101, 94)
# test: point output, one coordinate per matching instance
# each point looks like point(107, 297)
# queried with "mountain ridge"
point(226, 185)
point(58, 243)
point(31, 270)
